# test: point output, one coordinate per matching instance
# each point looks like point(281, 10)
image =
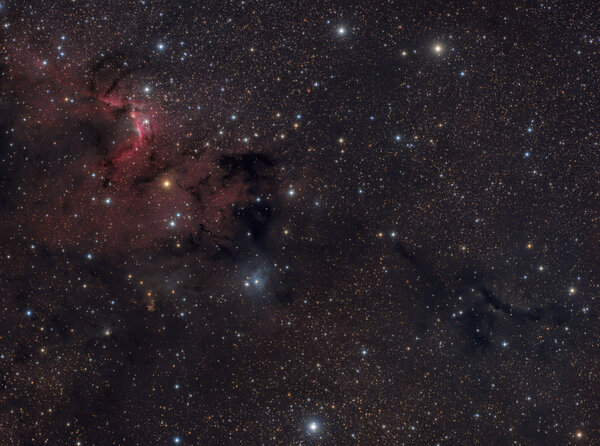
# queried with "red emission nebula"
point(131, 179)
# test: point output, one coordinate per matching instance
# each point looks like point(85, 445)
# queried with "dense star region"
point(299, 223)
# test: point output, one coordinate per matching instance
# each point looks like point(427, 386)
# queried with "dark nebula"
point(299, 223)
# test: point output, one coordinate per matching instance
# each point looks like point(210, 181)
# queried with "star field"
point(299, 223)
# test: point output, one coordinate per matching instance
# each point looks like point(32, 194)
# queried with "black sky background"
point(299, 223)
